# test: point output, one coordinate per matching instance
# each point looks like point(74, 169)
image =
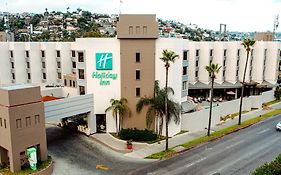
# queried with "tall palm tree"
point(121, 109)
point(212, 69)
point(247, 44)
point(156, 108)
point(167, 57)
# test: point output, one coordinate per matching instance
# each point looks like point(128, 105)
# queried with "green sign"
point(32, 157)
point(104, 61)
point(104, 77)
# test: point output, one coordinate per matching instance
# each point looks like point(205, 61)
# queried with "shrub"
point(272, 168)
point(137, 135)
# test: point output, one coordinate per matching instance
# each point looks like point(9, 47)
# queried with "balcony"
point(59, 70)
point(12, 59)
point(44, 70)
point(43, 59)
point(12, 70)
point(28, 70)
point(58, 59)
point(27, 59)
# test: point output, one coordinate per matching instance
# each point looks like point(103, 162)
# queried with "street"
point(76, 154)
point(235, 154)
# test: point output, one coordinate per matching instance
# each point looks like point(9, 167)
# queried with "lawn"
point(214, 135)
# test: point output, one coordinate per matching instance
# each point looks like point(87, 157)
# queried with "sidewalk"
point(144, 150)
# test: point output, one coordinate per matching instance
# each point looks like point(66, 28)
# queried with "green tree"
point(121, 109)
point(167, 57)
point(212, 69)
point(2, 27)
point(36, 19)
point(156, 108)
point(247, 44)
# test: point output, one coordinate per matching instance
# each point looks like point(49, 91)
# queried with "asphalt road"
point(236, 154)
point(76, 154)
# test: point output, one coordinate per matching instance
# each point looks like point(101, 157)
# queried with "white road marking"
point(235, 144)
point(263, 131)
point(197, 161)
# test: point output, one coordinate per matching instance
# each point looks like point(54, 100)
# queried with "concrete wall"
point(198, 121)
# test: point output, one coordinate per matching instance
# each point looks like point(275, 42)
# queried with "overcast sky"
point(238, 15)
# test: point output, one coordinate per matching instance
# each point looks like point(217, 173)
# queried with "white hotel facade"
point(135, 66)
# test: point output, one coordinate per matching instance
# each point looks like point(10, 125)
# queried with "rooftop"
point(16, 86)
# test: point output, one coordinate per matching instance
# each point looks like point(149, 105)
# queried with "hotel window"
point(28, 121)
point(224, 62)
point(237, 64)
point(81, 73)
point(223, 73)
point(28, 65)
point(59, 65)
point(137, 74)
point(237, 72)
point(80, 57)
point(13, 76)
point(42, 53)
point(224, 52)
point(197, 52)
point(27, 54)
point(43, 65)
point(5, 124)
point(185, 55)
point(238, 52)
point(211, 61)
point(130, 30)
point(138, 30)
point(74, 84)
point(82, 90)
point(1, 124)
point(37, 119)
point(70, 83)
point(13, 65)
point(184, 70)
point(11, 54)
point(28, 76)
point(196, 74)
point(137, 57)
point(211, 52)
point(73, 53)
point(265, 52)
point(58, 53)
point(44, 76)
point(73, 64)
point(59, 75)
point(138, 93)
point(144, 29)
point(18, 123)
point(197, 63)
point(65, 82)
point(184, 85)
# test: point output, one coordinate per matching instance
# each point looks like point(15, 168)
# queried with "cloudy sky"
point(238, 15)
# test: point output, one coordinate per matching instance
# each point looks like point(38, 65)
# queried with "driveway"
point(76, 154)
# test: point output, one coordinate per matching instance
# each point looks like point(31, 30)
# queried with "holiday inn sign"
point(104, 62)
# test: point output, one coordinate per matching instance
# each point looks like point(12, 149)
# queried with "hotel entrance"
point(101, 123)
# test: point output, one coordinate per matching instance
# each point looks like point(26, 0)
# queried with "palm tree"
point(248, 44)
point(167, 57)
point(121, 109)
point(156, 109)
point(212, 69)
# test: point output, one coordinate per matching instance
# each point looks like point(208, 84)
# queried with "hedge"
point(271, 168)
point(137, 135)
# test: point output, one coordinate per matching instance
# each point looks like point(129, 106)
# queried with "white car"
point(278, 126)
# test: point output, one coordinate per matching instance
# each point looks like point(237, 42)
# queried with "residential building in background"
point(263, 36)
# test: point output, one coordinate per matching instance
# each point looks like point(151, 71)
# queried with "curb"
point(113, 148)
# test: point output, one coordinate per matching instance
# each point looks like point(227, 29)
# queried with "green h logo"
point(104, 61)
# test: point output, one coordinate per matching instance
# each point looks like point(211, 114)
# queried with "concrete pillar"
point(15, 164)
point(3, 155)
point(92, 124)
point(43, 152)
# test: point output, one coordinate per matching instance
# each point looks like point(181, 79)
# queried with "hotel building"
point(128, 65)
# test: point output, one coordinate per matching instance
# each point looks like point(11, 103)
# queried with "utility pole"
point(276, 24)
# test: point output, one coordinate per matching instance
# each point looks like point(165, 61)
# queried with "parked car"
point(278, 126)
